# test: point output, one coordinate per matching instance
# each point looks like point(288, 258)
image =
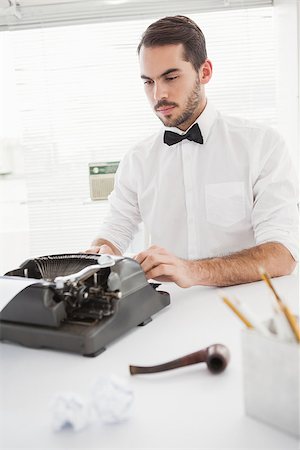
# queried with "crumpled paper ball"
point(112, 398)
point(69, 410)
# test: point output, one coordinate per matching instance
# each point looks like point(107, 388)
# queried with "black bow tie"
point(194, 134)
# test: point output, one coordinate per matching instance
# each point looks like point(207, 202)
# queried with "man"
point(217, 194)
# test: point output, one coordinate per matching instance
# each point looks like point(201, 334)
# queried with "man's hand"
point(102, 249)
point(161, 265)
point(101, 246)
point(237, 268)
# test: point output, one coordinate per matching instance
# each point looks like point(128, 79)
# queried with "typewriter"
point(77, 302)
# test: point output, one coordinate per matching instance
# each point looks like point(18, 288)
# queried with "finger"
point(153, 250)
point(92, 250)
point(165, 271)
point(155, 260)
point(140, 257)
point(105, 249)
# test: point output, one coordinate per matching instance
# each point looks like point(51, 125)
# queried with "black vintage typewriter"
point(78, 302)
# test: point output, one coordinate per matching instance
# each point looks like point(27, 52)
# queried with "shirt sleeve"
point(121, 224)
point(275, 208)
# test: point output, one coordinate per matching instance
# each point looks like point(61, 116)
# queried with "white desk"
point(182, 409)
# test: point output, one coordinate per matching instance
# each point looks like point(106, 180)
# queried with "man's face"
point(172, 85)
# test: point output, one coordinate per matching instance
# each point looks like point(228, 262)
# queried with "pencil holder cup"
point(271, 380)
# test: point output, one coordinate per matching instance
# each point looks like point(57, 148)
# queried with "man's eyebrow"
point(166, 72)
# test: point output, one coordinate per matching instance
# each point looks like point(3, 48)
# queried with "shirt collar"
point(205, 122)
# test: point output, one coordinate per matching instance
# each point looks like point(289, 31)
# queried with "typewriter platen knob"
point(106, 261)
point(113, 282)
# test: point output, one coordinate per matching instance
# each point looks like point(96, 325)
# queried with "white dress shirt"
point(236, 190)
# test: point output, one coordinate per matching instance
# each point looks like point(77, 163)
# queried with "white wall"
point(288, 25)
point(14, 226)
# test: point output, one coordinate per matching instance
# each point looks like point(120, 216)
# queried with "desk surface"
point(182, 409)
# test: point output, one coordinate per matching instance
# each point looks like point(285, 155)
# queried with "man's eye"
point(148, 82)
point(171, 78)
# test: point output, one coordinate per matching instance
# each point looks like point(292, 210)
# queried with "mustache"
point(163, 103)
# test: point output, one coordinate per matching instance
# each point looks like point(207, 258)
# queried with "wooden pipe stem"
point(193, 358)
point(216, 357)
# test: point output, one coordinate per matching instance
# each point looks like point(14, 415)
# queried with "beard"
point(192, 103)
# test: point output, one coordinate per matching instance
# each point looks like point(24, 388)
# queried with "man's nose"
point(160, 92)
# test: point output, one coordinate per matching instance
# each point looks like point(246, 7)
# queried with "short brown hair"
point(177, 30)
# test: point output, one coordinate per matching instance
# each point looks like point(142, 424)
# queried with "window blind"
point(81, 100)
point(36, 13)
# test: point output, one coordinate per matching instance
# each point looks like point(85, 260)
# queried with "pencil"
point(267, 280)
point(237, 312)
point(284, 308)
point(292, 321)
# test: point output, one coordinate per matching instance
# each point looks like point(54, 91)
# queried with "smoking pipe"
point(216, 357)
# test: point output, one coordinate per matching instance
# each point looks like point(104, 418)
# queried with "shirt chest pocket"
point(225, 203)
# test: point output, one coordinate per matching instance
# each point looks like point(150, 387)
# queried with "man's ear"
point(205, 72)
